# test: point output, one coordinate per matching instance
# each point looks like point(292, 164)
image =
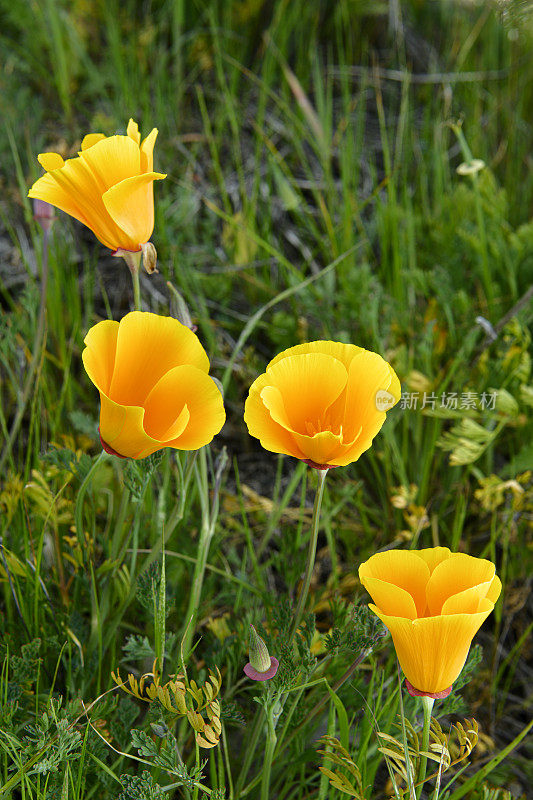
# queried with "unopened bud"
point(149, 257)
point(44, 214)
point(182, 310)
point(261, 666)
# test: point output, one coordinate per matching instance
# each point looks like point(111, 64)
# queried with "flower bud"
point(149, 257)
point(44, 214)
point(181, 309)
point(261, 666)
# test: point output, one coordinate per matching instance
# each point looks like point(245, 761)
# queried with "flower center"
point(325, 423)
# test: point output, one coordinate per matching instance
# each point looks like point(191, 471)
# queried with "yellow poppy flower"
point(155, 391)
point(108, 187)
point(322, 402)
point(433, 602)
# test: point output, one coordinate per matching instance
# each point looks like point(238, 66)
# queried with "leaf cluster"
point(337, 755)
point(138, 474)
point(181, 700)
point(360, 632)
point(53, 737)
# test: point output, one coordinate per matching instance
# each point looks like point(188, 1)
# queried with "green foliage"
point(51, 737)
point(164, 753)
point(65, 459)
point(138, 474)
point(140, 787)
point(360, 632)
point(23, 669)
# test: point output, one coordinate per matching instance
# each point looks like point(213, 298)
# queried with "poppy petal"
point(434, 555)
point(121, 427)
point(467, 601)
point(339, 350)
point(390, 599)
point(320, 448)
point(48, 189)
point(402, 568)
point(133, 131)
point(131, 206)
point(50, 161)
point(309, 384)
point(455, 574)
point(147, 151)
point(184, 387)
point(111, 160)
point(494, 589)
point(99, 354)
point(432, 651)
point(74, 189)
point(148, 346)
point(273, 436)
point(90, 139)
point(368, 374)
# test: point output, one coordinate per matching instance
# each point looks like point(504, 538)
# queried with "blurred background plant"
point(319, 187)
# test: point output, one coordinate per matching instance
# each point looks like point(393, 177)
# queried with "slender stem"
point(197, 763)
point(38, 343)
point(317, 707)
point(136, 290)
point(96, 626)
point(480, 219)
point(206, 534)
point(78, 514)
point(427, 703)
point(271, 740)
point(250, 752)
point(311, 553)
point(408, 764)
point(160, 614)
point(133, 260)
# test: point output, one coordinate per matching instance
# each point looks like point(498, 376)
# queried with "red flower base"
point(262, 676)
point(108, 448)
point(318, 466)
point(435, 695)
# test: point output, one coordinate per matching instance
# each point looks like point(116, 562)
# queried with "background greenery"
point(312, 192)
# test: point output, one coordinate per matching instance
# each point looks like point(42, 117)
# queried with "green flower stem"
point(136, 290)
point(133, 260)
point(160, 614)
point(311, 553)
point(197, 764)
point(427, 703)
point(78, 513)
point(319, 704)
point(271, 741)
point(250, 752)
point(206, 534)
point(480, 218)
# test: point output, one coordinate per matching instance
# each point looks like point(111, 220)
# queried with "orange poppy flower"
point(433, 602)
point(155, 391)
point(108, 187)
point(322, 402)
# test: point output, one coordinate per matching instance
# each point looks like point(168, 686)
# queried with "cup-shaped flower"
point(108, 187)
point(433, 602)
point(155, 390)
point(322, 402)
